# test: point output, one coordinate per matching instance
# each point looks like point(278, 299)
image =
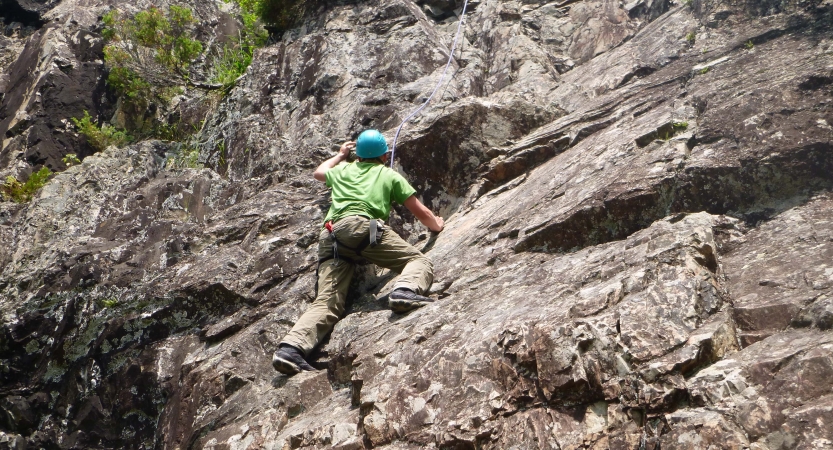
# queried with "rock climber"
point(362, 193)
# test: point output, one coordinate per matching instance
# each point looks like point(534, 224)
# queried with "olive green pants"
point(391, 252)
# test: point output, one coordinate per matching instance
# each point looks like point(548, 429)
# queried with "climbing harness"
point(374, 235)
point(440, 82)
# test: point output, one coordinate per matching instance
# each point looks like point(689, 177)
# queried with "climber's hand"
point(346, 148)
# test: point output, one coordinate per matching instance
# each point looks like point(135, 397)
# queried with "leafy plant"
point(233, 60)
point(151, 58)
point(704, 70)
point(668, 131)
point(71, 159)
point(222, 151)
point(102, 137)
point(187, 158)
point(108, 302)
point(127, 83)
point(22, 192)
point(155, 46)
point(232, 63)
point(749, 45)
point(690, 38)
point(168, 131)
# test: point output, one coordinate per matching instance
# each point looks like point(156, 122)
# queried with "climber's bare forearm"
point(424, 215)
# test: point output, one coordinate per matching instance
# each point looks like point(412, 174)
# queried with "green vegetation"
point(687, 3)
point(690, 38)
point(668, 131)
point(155, 56)
point(154, 48)
point(704, 70)
point(187, 158)
point(221, 147)
point(749, 45)
point(231, 64)
point(233, 60)
point(22, 192)
point(108, 302)
point(99, 138)
point(149, 57)
point(71, 159)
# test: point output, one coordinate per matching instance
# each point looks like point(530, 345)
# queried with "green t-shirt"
point(365, 189)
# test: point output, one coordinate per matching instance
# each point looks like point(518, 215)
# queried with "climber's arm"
point(434, 223)
point(343, 152)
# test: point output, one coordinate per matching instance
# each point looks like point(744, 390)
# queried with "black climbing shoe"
point(404, 300)
point(289, 360)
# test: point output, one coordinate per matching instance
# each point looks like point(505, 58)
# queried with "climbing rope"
point(439, 83)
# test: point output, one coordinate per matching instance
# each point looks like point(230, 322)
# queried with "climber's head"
point(371, 144)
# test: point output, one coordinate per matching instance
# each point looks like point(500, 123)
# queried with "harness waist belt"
point(375, 233)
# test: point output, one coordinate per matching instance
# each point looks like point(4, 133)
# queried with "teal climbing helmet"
point(371, 144)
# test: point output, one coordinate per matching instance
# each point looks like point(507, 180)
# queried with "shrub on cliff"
point(149, 57)
point(187, 156)
point(71, 159)
point(155, 56)
point(232, 61)
point(101, 137)
point(151, 50)
point(21, 192)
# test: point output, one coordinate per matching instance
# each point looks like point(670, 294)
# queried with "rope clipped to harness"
point(439, 83)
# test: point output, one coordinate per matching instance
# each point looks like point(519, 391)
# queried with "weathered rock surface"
point(637, 253)
point(782, 273)
point(35, 113)
point(59, 74)
point(28, 9)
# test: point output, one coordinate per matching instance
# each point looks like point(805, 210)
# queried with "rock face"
point(57, 74)
point(637, 252)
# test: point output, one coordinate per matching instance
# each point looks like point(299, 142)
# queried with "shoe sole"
point(403, 306)
point(285, 366)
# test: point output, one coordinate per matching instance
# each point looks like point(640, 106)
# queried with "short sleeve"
point(401, 189)
point(331, 173)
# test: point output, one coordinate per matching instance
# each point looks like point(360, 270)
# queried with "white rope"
point(439, 83)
